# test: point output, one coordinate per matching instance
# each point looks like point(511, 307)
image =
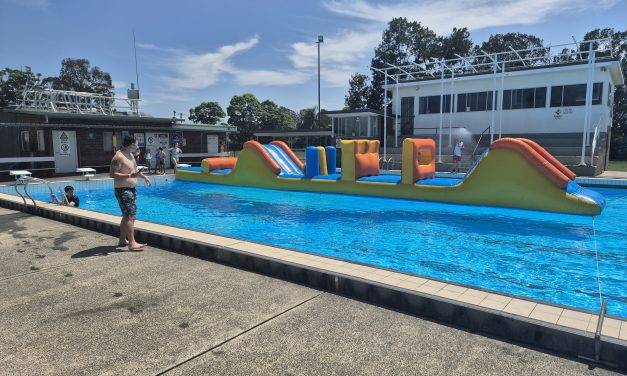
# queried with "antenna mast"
point(135, 52)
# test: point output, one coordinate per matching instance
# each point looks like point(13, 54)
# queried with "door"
point(65, 151)
point(212, 144)
point(407, 116)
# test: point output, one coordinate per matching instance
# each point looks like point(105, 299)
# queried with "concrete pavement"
point(70, 303)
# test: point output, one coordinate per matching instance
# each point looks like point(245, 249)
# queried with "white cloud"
point(198, 71)
point(269, 77)
point(442, 15)
point(193, 71)
point(341, 54)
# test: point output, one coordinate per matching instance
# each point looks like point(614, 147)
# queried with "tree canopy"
point(277, 117)
point(206, 113)
point(405, 42)
point(358, 91)
point(13, 81)
point(78, 75)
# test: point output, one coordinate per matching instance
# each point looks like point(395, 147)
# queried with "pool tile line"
point(555, 328)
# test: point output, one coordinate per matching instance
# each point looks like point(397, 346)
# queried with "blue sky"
point(191, 51)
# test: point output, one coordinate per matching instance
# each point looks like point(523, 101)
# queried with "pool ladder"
point(24, 181)
point(597, 336)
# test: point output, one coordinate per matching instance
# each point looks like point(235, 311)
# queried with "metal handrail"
point(472, 157)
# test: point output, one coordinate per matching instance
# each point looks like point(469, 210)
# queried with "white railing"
point(43, 99)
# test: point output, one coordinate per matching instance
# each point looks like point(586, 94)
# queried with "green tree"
point(308, 119)
point(276, 117)
point(517, 41)
point(77, 75)
point(245, 113)
point(13, 81)
point(456, 43)
point(403, 42)
point(206, 113)
point(358, 91)
point(618, 41)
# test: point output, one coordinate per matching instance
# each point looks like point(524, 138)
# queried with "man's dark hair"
point(68, 188)
point(128, 141)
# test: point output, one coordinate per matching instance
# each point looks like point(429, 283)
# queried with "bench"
point(87, 172)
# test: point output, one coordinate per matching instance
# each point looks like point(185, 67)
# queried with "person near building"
point(124, 172)
point(457, 156)
point(148, 158)
point(175, 154)
point(160, 162)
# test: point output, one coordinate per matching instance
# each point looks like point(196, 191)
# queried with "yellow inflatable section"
point(503, 178)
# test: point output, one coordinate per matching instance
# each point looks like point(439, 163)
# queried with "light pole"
point(320, 40)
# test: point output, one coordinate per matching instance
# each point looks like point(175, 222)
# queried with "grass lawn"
point(617, 166)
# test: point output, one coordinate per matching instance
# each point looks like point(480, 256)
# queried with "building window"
point(41, 141)
point(30, 141)
point(431, 104)
point(107, 141)
point(479, 101)
point(524, 98)
point(574, 95)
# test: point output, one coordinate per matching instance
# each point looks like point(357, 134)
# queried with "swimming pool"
point(543, 256)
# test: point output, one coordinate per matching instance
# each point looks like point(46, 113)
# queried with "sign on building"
point(141, 140)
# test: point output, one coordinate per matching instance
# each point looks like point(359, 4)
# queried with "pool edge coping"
point(570, 333)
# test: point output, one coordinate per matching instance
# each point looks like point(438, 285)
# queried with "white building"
point(546, 99)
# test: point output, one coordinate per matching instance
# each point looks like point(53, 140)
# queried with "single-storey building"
point(49, 142)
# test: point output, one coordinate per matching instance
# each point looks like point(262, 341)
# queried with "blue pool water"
point(543, 256)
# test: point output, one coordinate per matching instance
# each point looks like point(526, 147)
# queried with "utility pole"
point(320, 40)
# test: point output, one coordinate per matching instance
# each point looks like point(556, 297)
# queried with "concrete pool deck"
point(72, 304)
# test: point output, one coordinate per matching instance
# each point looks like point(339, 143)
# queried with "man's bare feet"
point(136, 246)
point(120, 244)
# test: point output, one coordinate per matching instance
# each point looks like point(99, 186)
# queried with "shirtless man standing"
point(124, 172)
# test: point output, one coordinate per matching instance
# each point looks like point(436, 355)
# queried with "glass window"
point(461, 102)
point(482, 101)
point(25, 140)
point(422, 105)
point(490, 100)
point(517, 99)
point(597, 89)
point(507, 99)
point(528, 98)
point(540, 101)
point(41, 142)
point(575, 95)
point(556, 96)
point(107, 141)
point(479, 101)
point(431, 104)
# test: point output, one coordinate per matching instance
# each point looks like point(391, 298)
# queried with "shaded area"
point(103, 250)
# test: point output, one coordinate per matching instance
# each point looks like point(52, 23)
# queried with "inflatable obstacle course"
point(515, 173)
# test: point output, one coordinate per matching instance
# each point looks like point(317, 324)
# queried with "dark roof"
point(88, 118)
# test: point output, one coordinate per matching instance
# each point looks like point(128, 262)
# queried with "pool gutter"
point(562, 330)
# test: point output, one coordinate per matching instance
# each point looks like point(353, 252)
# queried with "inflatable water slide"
point(514, 173)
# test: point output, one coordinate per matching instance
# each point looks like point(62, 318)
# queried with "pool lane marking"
point(238, 334)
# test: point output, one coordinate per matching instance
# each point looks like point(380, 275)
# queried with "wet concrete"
point(71, 303)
